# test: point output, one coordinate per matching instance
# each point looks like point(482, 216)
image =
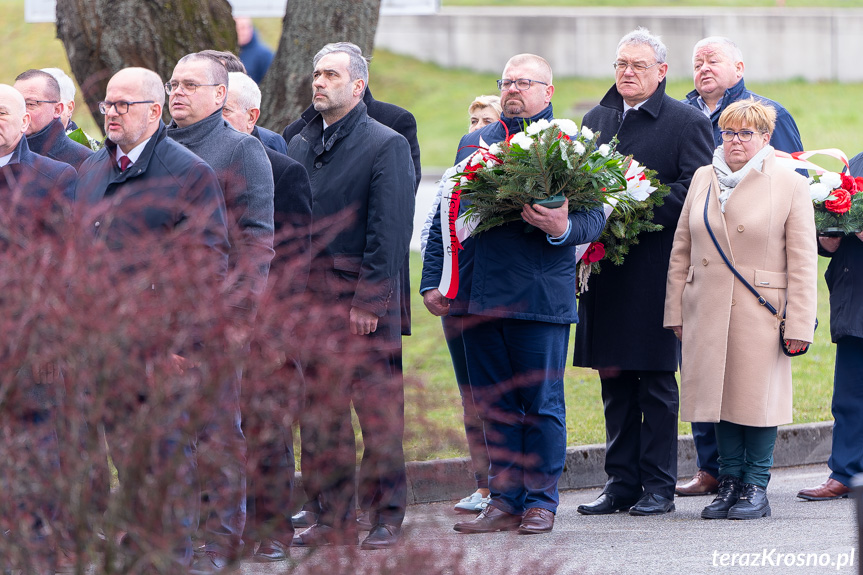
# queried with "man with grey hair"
point(46, 134)
point(362, 182)
point(620, 329)
point(67, 97)
point(197, 91)
point(718, 67)
point(243, 110)
point(271, 484)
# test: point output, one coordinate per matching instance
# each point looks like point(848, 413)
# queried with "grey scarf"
point(728, 180)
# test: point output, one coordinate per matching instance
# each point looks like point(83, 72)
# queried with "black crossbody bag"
point(757, 295)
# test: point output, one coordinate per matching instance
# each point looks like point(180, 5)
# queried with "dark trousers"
point(328, 461)
point(706, 452)
point(452, 330)
point(516, 374)
point(745, 452)
point(641, 432)
point(846, 460)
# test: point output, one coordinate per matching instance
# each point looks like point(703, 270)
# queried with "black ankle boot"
point(726, 498)
point(752, 504)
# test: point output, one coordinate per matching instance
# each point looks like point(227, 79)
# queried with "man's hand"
point(552, 221)
point(831, 244)
point(363, 322)
point(435, 302)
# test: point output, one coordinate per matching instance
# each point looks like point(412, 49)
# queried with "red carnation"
point(595, 252)
point(848, 183)
point(859, 182)
point(840, 203)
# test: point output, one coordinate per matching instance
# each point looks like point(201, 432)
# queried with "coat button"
point(733, 302)
point(318, 165)
point(704, 261)
point(97, 224)
point(740, 228)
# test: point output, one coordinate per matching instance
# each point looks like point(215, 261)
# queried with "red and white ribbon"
point(800, 160)
point(454, 229)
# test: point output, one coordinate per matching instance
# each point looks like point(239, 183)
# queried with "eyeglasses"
point(744, 135)
point(521, 84)
point(121, 106)
point(33, 104)
point(189, 88)
point(637, 67)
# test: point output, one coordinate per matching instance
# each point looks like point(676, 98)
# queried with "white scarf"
point(729, 179)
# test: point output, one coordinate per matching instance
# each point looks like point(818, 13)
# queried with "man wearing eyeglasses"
point(139, 188)
point(46, 135)
point(620, 331)
point(516, 302)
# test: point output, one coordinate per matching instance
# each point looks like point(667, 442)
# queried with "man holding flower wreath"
point(516, 294)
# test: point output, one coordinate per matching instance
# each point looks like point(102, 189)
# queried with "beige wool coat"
point(733, 368)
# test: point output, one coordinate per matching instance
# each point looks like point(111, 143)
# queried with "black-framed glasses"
point(188, 87)
point(637, 67)
point(33, 104)
point(122, 106)
point(743, 135)
point(521, 84)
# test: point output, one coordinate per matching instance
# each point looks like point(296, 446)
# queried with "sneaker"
point(473, 503)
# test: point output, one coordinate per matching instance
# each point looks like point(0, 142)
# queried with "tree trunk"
point(308, 25)
point(102, 37)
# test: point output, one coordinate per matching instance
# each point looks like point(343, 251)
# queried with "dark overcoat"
point(620, 316)
point(52, 142)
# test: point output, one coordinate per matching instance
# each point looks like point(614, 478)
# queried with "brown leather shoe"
point(702, 484)
point(490, 519)
point(536, 520)
point(830, 489)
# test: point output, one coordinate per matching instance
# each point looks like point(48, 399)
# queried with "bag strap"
point(758, 296)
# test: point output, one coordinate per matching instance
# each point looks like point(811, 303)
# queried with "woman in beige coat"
point(733, 370)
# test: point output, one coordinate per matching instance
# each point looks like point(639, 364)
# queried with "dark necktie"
point(125, 162)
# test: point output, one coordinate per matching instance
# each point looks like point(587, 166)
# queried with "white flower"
point(494, 149)
point(831, 179)
point(475, 159)
point(587, 132)
point(463, 181)
point(819, 192)
point(522, 140)
point(537, 127)
point(604, 150)
point(578, 147)
point(568, 127)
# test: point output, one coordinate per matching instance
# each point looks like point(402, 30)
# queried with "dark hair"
point(231, 61)
point(52, 87)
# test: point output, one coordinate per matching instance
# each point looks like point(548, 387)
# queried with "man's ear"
point(254, 114)
point(58, 110)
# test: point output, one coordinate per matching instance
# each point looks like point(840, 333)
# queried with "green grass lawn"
point(826, 113)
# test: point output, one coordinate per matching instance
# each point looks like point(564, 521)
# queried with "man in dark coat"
point(142, 185)
point(403, 122)
point(362, 183)
point(271, 483)
point(519, 291)
point(718, 76)
point(256, 57)
point(620, 329)
point(46, 134)
point(197, 93)
point(844, 277)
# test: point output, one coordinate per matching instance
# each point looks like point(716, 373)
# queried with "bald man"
point(139, 187)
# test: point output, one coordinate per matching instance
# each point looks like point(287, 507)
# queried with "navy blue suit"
point(270, 139)
point(517, 293)
point(786, 138)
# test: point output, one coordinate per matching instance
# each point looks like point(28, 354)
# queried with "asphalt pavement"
point(800, 537)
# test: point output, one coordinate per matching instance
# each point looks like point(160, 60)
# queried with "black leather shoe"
point(652, 504)
point(605, 504)
point(210, 562)
point(729, 493)
point(304, 519)
point(489, 520)
point(271, 550)
point(319, 535)
point(752, 504)
point(382, 536)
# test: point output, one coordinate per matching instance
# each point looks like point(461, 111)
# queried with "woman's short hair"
point(482, 102)
point(757, 114)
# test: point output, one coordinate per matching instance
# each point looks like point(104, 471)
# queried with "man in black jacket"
point(142, 186)
point(46, 134)
point(362, 183)
point(619, 328)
